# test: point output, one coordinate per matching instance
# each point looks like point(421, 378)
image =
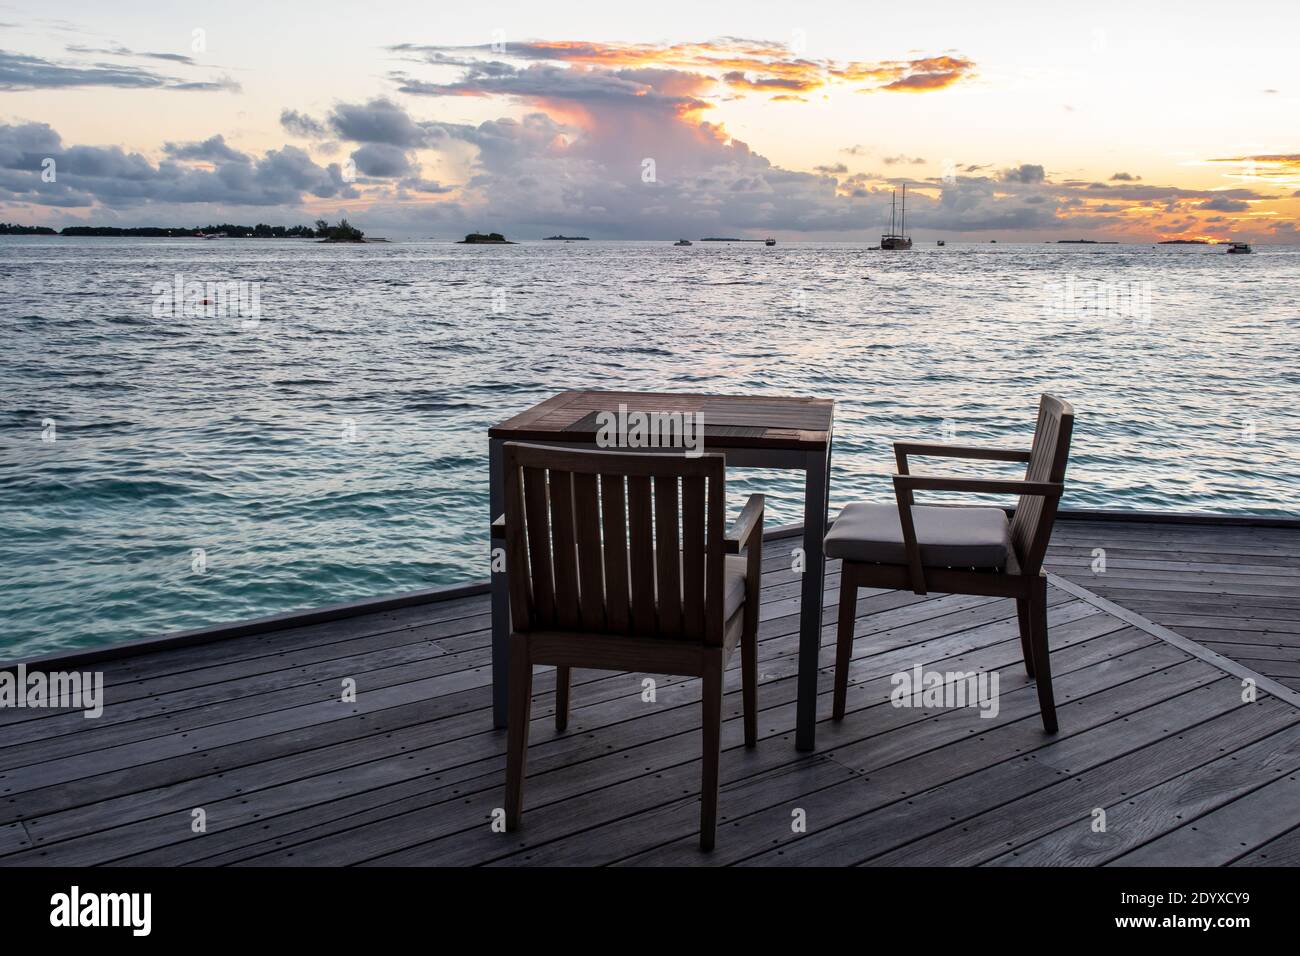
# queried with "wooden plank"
point(693, 547)
point(641, 554)
point(613, 502)
point(1225, 834)
point(1144, 816)
point(996, 810)
point(1282, 851)
point(564, 550)
point(591, 560)
point(730, 421)
point(668, 573)
point(538, 516)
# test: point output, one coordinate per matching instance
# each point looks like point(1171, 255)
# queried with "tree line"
point(318, 230)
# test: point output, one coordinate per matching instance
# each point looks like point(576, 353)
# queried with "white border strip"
point(1266, 684)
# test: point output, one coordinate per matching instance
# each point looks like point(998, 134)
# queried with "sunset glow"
point(766, 120)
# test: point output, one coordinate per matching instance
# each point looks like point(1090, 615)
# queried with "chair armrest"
point(937, 450)
point(905, 484)
point(749, 521)
point(499, 528)
point(909, 483)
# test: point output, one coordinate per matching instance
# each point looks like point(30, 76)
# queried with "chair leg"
point(1042, 665)
point(1026, 635)
point(844, 641)
point(520, 707)
point(749, 671)
point(561, 698)
point(712, 748)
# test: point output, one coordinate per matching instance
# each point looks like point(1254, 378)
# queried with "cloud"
point(700, 71)
point(909, 160)
point(20, 71)
point(300, 124)
point(125, 51)
point(1285, 162)
point(113, 178)
point(832, 170)
point(1124, 177)
point(1225, 205)
point(1027, 173)
point(934, 73)
point(428, 186)
point(213, 149)
point(381, 159)
point(377, 121)
point(542, 83)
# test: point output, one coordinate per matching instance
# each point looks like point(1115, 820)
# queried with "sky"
point(1008, 120)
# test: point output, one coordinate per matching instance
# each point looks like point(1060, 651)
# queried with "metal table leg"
point(816, 476)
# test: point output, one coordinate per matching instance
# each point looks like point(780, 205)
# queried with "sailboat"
point(900, 239)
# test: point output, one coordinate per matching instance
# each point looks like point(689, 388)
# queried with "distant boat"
point(683, 242)
point(1239, 248)
point(900, 239)
point(769, 241)
point(940, 242)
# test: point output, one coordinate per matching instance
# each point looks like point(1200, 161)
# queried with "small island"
point(485, 239)
point(343, 232)
point(569, 238)
point(13, 229)
point(1186, 242)
point(1087, 242)
point(223, 231)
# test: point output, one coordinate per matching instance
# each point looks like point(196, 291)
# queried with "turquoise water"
point(335, 449)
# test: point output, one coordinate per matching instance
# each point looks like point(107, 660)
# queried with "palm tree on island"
point(343, 232)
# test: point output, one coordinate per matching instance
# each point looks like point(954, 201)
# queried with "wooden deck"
point(252, 731)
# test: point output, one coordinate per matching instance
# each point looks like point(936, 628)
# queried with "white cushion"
point(949, 537)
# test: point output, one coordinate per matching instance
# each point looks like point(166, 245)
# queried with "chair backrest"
point(1031, 528)
point(615, 542)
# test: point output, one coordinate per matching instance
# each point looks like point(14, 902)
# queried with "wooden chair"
point(961, 550)
point(620, 561)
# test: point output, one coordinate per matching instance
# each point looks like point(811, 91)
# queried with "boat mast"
point(893, 202)
point(904, 225)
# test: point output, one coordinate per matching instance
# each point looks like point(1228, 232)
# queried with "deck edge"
point(1185, 644)
point(1178, 517)
point(234, 629)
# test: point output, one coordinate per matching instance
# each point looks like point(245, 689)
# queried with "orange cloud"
point(745, 66)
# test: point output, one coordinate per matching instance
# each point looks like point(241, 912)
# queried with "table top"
point(730, 421)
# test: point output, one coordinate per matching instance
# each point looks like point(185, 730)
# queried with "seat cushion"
point(733, 583)
point(949, 537)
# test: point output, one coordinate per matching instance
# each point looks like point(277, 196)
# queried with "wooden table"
point(754, 432)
